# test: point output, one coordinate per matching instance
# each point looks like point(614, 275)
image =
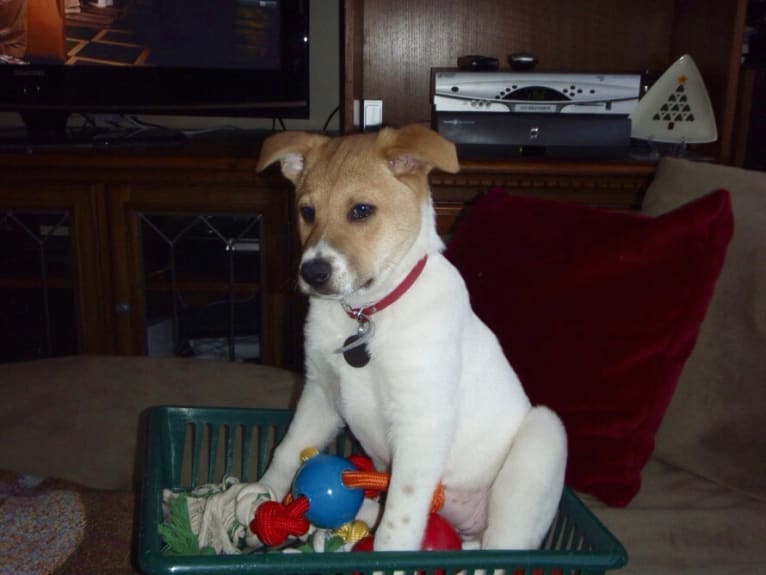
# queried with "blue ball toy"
point(331, 503)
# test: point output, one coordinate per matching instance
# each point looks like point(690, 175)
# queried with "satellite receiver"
point(676, 109)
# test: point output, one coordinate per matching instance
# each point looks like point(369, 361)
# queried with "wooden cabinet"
point(189, 251)
point(139, 252)
point(391, 45)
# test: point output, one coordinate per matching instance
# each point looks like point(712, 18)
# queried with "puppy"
point(395, 352)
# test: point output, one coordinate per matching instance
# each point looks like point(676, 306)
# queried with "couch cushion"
point(597, 312)
point(682, 523)
point(714, 423)
point(55, 410)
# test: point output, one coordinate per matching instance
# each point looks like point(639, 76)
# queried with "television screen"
point(217, 57)
point(141, 33)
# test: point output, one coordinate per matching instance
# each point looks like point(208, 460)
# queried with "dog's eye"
point(361, 212)
point(307, 214)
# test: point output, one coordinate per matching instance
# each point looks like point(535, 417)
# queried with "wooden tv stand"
point(90, 207)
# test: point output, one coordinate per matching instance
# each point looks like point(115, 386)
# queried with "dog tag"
point(356, 356)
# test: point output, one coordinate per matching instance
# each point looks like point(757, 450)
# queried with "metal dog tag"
point(354, 349)
point(357, 355)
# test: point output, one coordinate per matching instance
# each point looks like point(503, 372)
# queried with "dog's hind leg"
point(526, 492)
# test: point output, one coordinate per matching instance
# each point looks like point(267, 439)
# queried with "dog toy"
point(328, 492)
point(216, 514)
point(330, 502)
point(440, 535)
point(330, 507)
point(177, 532)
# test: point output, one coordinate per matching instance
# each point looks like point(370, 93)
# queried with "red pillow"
point(597, 312)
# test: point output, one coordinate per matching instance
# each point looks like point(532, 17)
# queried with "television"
point(244, 58)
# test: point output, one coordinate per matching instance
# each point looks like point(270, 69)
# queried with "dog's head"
point(360, 201)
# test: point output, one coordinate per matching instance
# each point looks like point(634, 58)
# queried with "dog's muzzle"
point(317, 273)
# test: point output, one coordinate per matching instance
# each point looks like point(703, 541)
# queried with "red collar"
point(362, 313)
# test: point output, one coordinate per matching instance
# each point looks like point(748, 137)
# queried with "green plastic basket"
point(190, 446)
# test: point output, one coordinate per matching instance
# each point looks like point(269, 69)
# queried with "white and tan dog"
point(427, 390)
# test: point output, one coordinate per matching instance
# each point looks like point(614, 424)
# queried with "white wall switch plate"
point(373, 114)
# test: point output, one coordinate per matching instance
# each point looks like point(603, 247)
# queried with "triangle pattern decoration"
point(676, 108)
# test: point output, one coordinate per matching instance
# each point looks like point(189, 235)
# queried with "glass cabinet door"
point(201, 278)
point(52, 296)
point(201, 271)
point(37, 304)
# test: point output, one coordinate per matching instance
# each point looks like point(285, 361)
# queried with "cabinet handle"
point(122, 308)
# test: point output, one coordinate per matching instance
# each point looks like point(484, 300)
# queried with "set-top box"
point(534, 92)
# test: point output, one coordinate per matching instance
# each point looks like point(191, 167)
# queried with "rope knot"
point(274, 522)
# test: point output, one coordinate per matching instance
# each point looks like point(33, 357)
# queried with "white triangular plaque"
point(676, 108)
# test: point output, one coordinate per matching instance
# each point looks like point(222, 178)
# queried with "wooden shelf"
point(391, 45)
point(609, 185)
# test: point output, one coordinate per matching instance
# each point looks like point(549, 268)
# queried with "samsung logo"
point(29, 73)
point(457, 122)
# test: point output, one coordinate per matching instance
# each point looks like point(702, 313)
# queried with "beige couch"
point(702, 505)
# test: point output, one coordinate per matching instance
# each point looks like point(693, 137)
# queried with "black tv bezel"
point(58, 89)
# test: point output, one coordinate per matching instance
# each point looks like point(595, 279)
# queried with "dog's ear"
point(290, 149)
point(415, 148)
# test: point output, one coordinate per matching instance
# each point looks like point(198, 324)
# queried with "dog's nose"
point(316, 272)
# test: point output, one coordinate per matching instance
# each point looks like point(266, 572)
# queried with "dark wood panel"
point(617, 186)
point(403, 39)
point(353, 58)
point(711, 31)
point(745, 106)
point(754, 155)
